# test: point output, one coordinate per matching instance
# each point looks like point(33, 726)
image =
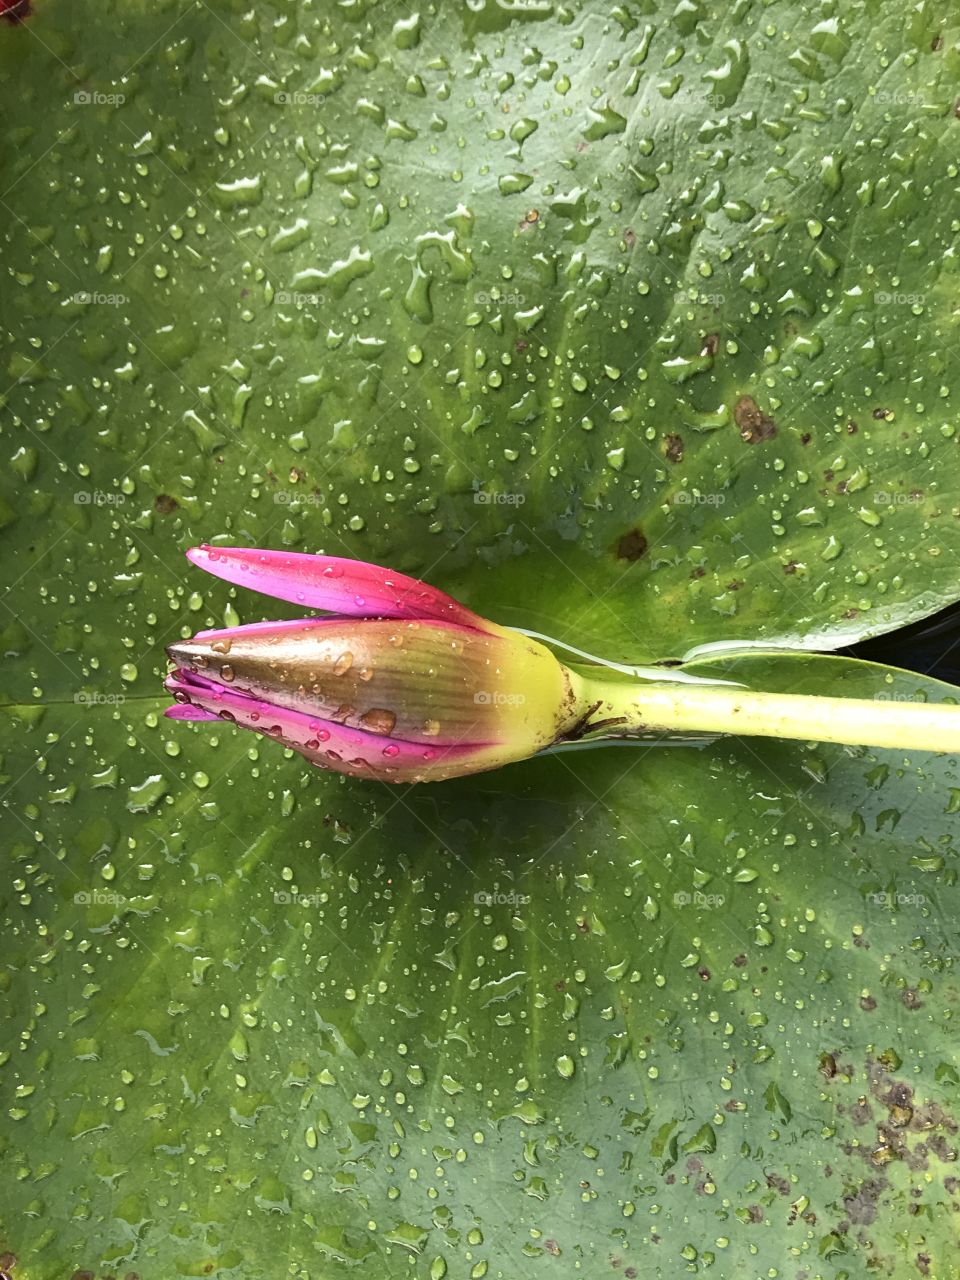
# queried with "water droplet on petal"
point(343, 664)
point(379, 720)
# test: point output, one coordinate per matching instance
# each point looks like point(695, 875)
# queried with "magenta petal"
point(323, 742)
point(350, 587)
point(186, 711)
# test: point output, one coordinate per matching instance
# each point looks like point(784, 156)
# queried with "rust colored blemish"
point(711, 344)
point(936, 44)
point(911, 999)
point(15, 11)
point(867, 1004)
point(881, 414)
point(630, 236)
point(698, 572)
point(631, 546)
point(673, 449)
point(852, 428)
point(791, 567)
point(163, 504)
point(754, 424)
point(739, 961)
point(805, 438)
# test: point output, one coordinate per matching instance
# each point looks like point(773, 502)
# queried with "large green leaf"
point(706, 1016)
point(324, 278)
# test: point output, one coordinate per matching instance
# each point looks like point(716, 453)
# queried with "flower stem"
point(627, 709)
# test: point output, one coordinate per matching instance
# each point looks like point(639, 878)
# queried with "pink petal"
point(186, 711)
point(337, 585)
point(324, 742)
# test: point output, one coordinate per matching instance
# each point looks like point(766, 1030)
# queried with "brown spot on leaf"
point(711, 344)
point(163, 504)
point(881, 414)
point(631, 546)
point(911, 999)
point(754, 424)
point(867, 1004)
point(791, 567)
point(673, 448)
point(852, 428)
point(630, 236)
point(698, 572)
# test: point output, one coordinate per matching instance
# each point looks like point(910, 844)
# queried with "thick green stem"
point(629, 709)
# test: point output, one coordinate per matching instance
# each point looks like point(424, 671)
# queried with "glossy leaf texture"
point(587, 1009)
point(634, 325)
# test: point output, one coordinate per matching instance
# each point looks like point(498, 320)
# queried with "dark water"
point(931, 647)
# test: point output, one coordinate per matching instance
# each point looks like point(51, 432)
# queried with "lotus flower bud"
point(401, 683)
